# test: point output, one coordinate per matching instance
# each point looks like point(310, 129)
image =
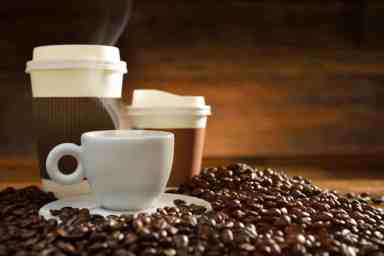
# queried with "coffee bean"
point(115, 224)
point(282, 221)
point(247, 247)
point(160, 224)
point(130, 238)
point(61, 232)
point(169, 252)
point(66, 247)
point(300, 239)
point(123, 252)
point(324, 216)
point(181, 241)
point(179, 202)
point(172, 230)
point(255, 213)
point(189, 220)
point(96, 247)
point(227, 236)
point(149, 251)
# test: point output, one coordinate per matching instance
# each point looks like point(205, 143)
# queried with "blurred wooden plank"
point(344, 186)
point(357, 179)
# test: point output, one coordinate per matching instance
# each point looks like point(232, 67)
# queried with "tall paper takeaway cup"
point(185, 116)
point(75, 89)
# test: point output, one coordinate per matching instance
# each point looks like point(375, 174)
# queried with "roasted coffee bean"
point(181, 241)
point(227, 236)
point(247, 247)
point(66, 247)
point(189, 220)
point(160, 224)
point(179, 202)
point(169, 252)
point(282, 221)
point(379, 199)
point(256, 212)
point(130, 238)
point(149, 251)
point(123, 252)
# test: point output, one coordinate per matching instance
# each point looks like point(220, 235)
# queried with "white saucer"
point(89, 202)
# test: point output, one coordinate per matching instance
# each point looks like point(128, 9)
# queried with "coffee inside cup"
point(185, 116)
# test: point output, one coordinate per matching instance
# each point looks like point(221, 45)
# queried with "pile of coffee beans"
point(254, 213)
point(374, 199)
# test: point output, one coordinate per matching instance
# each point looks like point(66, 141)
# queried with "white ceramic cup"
point(127, 169)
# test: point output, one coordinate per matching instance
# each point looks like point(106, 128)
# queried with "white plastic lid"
point(156, 102)
point(76, 56)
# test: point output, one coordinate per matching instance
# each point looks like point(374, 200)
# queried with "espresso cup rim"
point(126, 134)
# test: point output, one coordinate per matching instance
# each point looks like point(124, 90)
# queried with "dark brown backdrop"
point(286, 79)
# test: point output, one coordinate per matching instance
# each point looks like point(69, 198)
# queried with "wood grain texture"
point(290, 79)
point(21, 173)
point(285, 79)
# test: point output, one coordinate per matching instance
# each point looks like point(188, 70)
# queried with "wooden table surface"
point(20, 173)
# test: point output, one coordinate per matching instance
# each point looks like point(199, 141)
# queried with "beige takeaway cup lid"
point(156, 102)
point(76, 56)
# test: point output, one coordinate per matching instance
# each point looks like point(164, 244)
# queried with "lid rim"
point(198, 111)
point(132, 134)
point(167, 108)
point(171, 114)
point(76, 51)
point(71, 64)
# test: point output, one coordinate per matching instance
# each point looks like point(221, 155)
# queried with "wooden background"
point(286, 79)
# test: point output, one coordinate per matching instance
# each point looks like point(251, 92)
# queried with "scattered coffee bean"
point(169, 252)
point(255, 212)
point(181, 241)
point(227, 236)
point(179, 202)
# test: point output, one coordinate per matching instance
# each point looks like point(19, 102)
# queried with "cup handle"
point(53, 160)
